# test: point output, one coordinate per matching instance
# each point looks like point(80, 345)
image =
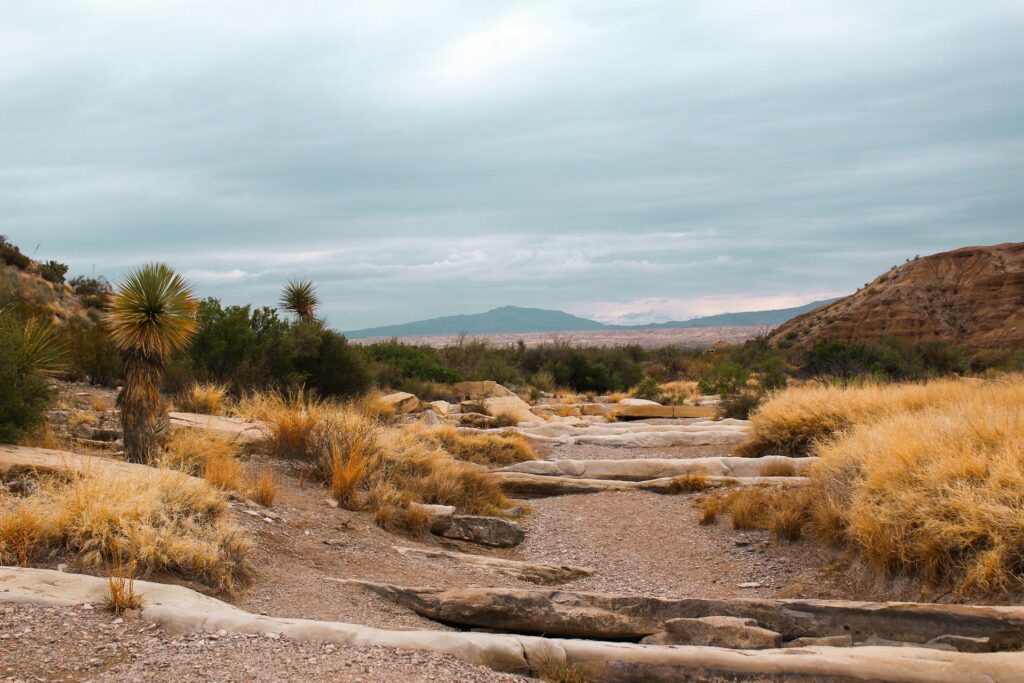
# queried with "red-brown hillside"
point(972, 297)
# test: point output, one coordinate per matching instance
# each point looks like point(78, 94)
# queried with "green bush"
point(724, 379)
point(404, 361)
point(12, 256)
point(94, 357)
point(30, 352)
point(338, 369)
point(648, 389)
point(54, 272)
point(740, 406)
point(92, 292)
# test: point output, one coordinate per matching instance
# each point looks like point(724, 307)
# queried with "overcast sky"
point(628, 161)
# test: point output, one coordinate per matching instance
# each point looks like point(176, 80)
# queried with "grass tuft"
point(121, 593)
point(264, 488)
point(207, 398)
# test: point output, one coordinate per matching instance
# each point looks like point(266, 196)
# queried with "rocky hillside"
point(972, 297)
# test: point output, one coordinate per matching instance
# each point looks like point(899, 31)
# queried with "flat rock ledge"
point(630, 617)
point(522, 484)
point(181, 610)
point(534, 572)
point(642, 469)
point(48, 460)
point(232, 429)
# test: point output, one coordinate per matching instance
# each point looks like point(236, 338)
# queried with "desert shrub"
point(208, 398)
point(742, 405)
point(890, 358)
point(724, 379)
point(54, 272)
point(93, 357)
point(648, 389)
point(543, 380)
point(411, 362)
point(481, 448)
point(12, 256)
point(790, 421)
point(935, 493)
point(165, 522)
point(337, 369)
point(92, 292)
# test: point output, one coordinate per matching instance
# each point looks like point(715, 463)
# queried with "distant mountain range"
point(514, 319)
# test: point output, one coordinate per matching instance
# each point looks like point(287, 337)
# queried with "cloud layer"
point(632, 161)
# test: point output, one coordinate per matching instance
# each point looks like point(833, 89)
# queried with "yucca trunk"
point(143, 409)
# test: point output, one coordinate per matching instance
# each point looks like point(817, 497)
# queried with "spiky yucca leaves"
point(151, 315)
point(42, 353)
point(299, 297)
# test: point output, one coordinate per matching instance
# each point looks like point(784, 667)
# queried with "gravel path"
point(644, 543)
point(62, 644)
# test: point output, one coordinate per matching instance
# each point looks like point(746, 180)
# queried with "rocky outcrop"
point(972, 297)
point(642, 469)
point(181, 610)
point(630, 617)
point(232, 429)
point(643, 412)
point(534, 572)
point(476, 391)
point(511, 407)
point(401, 402)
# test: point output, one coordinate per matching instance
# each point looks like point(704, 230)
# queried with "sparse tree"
point(299, 297)
point(151, 316)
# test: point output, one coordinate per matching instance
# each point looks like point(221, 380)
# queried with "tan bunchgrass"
point(81, 418)
point(200, 454)
point(935, 493)
point(207, 398)
point(165, 521)
point(782, 511)
point(263, 488)
point(493, 449)
point(372, 465)
point(778, 469)
point(790, 421)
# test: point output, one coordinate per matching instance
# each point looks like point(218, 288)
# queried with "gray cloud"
point(627, 160)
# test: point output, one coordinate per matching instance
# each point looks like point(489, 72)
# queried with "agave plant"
point(151, 316)
point(299, 297)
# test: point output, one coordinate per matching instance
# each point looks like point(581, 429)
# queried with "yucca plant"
point(299, 297)
point(31, 352)
point(151, 316)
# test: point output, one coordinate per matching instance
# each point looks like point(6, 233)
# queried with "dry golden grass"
point(778, 469)
point(45, 436)
point(938, 493)
point(783, 512)
point(494, 449)
point(208, 398)
point(100, 404)
point(121, 593)
point(790, 421)
point(550, 668)
point(689, 483)
point(189, 451)
point(678, 391)
point(81, 418)
point(376, 466)
point(263, 488)
point(224, 472)
point(165, 522)
point(372, 406)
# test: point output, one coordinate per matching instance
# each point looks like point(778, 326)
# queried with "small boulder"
point(481, 390)
point(403, 402)
point(490, 531)
point(441, 408)
point(731, 632)
point(512, 407)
